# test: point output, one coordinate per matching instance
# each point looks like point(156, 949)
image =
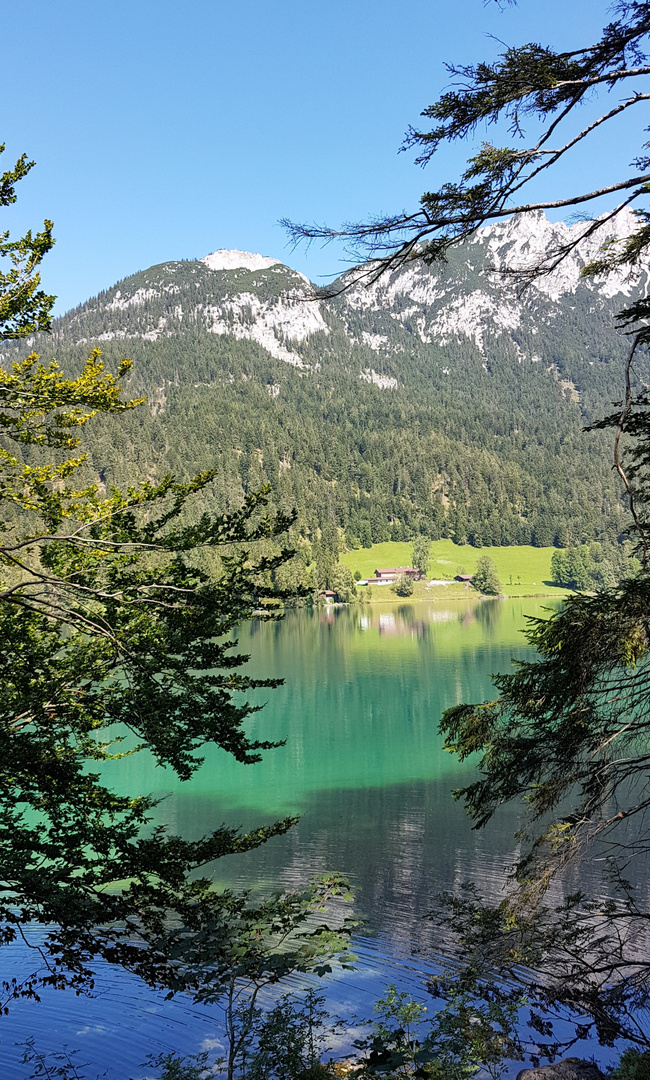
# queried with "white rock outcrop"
point(384, 382)
point(474, 299)
point(521, 242)
point(468, 300)
point(232, 259)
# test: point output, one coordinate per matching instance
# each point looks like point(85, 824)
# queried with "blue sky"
point(164, 131)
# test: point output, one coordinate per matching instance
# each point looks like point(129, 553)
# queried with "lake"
point(364, 767)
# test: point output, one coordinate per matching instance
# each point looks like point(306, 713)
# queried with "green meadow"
point(522, 570)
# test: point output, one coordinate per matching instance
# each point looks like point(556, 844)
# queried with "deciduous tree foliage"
point(113, 639)
point(404, 585)
point(421, 554)
point(485, 578)
point(24, 307)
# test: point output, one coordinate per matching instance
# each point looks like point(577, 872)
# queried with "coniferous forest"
point(372, 426)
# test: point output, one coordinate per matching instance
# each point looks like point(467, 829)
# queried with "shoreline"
point(443, 594)
point(456, 590)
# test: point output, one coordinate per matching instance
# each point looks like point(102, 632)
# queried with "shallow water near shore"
point(364, 766)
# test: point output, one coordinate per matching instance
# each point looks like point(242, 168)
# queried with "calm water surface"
point(364, 766)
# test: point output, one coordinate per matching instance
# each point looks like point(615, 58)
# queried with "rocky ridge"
point(257, 298)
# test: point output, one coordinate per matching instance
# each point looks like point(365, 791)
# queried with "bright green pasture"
point(521, 570)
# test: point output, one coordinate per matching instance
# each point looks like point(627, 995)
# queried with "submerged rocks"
point(569, 1069)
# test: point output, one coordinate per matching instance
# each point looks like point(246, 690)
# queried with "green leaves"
point(485, 578)
point(571, 724)
point(39, 405)
point(421, 554)
point(24, 308)
point(114, 639)
point(226, 940)
point(112, 633)
point(471, 1031)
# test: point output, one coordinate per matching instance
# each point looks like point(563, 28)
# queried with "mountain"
point(436, 399)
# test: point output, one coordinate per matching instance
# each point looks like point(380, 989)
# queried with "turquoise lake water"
point(364, 767)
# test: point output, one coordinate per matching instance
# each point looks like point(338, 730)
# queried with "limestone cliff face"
point(473, 298)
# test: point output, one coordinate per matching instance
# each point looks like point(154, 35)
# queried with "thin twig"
point(627, 408)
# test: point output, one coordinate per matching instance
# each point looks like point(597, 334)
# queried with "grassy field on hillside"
point(521, 570)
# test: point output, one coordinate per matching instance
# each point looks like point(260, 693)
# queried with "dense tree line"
point(592, 566)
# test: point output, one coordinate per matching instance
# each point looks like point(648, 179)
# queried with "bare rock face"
point(569, 1069)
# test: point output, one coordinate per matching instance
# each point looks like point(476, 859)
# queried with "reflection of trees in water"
point(401, 845)
point(414, 625)
point(402, 623)
point(406, 612)
point(403, 620)
point(489, 613)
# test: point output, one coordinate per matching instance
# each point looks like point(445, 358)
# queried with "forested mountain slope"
point(437, 400)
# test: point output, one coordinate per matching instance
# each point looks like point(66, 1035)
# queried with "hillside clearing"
point(522, 570)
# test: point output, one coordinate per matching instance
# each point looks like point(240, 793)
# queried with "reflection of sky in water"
point(363, 764)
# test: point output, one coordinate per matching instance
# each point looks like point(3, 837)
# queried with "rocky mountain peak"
point(524, 240)
point(463, 303)
point(225, 259)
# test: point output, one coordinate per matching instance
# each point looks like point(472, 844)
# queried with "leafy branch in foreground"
point(454, 1043)
point(574, 970)
point(24, 307)
point(255, 947)
point(114, 640)
point(568, 735)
